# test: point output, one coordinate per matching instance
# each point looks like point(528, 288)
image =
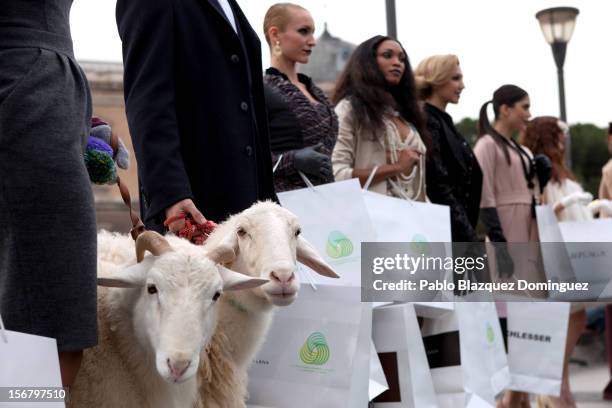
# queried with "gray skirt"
point(47, 215)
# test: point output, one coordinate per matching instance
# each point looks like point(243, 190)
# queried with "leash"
point(137, 224)
point(192, 231)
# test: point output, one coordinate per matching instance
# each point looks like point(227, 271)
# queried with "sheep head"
point(267, 241)
point(174, 312)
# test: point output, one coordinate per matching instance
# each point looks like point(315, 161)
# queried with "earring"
point(277, 49)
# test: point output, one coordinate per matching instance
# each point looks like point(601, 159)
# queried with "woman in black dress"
point(303, 124)
point(47, 218)
point(454, 177)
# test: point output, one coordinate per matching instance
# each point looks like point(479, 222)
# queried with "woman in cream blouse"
point(380, 122)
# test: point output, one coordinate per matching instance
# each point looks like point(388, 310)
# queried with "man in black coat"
point(195, 107)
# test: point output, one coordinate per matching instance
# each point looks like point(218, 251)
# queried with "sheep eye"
point(241, 232)
point(151, 289)
point(298, 232)
point(216, 296)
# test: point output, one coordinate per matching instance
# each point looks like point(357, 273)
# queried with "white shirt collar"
point(227, 9)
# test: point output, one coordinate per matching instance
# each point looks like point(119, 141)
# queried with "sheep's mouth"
point(282, 298)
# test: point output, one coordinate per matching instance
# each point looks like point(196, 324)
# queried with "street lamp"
point(391, 19)
point(557, 25)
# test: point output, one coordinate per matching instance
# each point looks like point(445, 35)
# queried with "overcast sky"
point(497, 42)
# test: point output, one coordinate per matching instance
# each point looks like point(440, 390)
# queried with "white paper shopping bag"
point(557, 264)
point(423, 227)
point(589, 244)
point(317, 352)
point(465, 350)
point(537, 332)
point(28, 361)
point(483, 356)
point(397, 220)
point(335, 220)
point(400, 348)
point(378, 381)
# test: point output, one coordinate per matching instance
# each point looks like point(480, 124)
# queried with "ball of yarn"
point(94, 143)
point(100, 166)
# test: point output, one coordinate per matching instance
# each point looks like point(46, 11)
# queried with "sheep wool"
point(220, 383)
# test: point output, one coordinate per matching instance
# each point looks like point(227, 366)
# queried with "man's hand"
point(184, 206)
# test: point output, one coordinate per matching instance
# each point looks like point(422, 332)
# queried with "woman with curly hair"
point(547, 135)
point(380, 122)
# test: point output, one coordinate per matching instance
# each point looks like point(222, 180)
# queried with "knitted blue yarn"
point(99, 144)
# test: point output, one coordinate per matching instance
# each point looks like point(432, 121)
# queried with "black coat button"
point(249, 151)
point(244, 106)
point(234, 58)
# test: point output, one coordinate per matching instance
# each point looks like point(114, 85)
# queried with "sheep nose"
point(178, 367)
point(282, 278)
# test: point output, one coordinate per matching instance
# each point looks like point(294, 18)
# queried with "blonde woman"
point(454, 177)
point(303, 124)
point(380, 122)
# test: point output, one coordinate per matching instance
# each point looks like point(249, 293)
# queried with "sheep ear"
point(238, 281)
point(133, 276)
point(308, 255)
point(222, 253)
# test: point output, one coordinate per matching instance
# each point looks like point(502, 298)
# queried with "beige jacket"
point(356, 148)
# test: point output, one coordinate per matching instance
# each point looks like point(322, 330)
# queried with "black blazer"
point(195, 106)
point(454, 177)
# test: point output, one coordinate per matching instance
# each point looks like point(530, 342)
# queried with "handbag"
point(335, 220)
point(317, 353)
point(29, 362)
point(465, 351)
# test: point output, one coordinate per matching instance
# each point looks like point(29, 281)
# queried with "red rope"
point(192, 231)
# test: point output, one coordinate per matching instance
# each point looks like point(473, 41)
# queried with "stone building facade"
point(106, 83)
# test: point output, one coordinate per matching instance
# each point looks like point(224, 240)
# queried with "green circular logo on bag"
point(490, 333)
point(338, 245)
point(315, 350)
point(420, 244)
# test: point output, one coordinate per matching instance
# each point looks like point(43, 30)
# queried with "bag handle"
point(306, 181)
point(302, 175)
point(309, 278)
point(366, 186)
point(3, 331)
point(277, 163)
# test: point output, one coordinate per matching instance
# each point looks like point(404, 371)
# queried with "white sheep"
point(267, 241)
point(155, 316)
